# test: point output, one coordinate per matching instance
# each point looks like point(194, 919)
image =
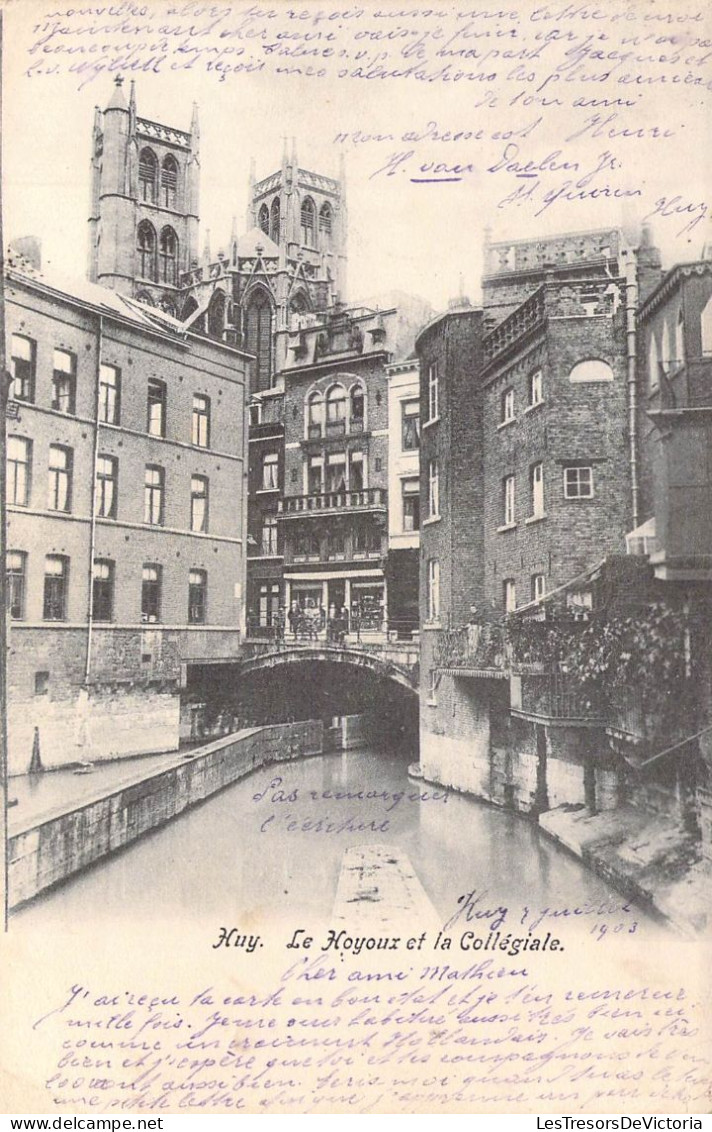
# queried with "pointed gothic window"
point(147, 250)
point(258, 337)
point(216, 315)
point(169, 257)
point(147, 175)
point(325, 218)
point(169, 182)
point(307, 219)
point(274, 220)
point(263, 219)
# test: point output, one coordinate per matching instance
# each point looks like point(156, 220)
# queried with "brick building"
point(126, 565)
point(403, 562)
point(526, 469)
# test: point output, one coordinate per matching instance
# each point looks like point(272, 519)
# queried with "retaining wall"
point(48, 852)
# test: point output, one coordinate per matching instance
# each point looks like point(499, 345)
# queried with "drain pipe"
point(92, 528)
point(631, 303)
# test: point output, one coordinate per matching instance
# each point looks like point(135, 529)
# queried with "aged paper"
point(217, 965)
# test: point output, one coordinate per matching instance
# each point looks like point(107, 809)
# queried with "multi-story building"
point(526, 468)
point(403, 563)
point(126, 483)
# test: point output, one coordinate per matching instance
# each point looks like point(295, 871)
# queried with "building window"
point(200, 431)
point(64, 382)
point(315, 416)
point(107, 482)
point(411, 505)
point(269, 537)
point(109, 394)
point(593, 369)
point(59, 496)
point(258, 336)
point(156, 408)
point(536, 481)
point(356, 471)
point(256, 413)
point(315, 474)
point(578, 482)
point(19, 464)
point(358, 405)
point(151, 578)
point(410, 426)
point(16, 582)
point(680, 340)
point(337, 543)
point(263, 219)
point(41, 683)
point(199, 504)
point(367, 540)
point(336, 411)
point(153, 495)
point(169, 256)
point(538, 586)
point(336, 472)
point(197, 596)
point(325, 218)
point(510, 595)
point(433, 489)
point(55, 588)
point(274, 220)
point(22, 368)
point(433, 393)
point(147, 175)
point(270, 471)
point(653, 363)
point(536, 388)
point(509, 490)
point(146, 247)
point(433, 596)
point(307, 216)
point(102, 594)
point(270, 600)
point(169, 181)
point(507, 406)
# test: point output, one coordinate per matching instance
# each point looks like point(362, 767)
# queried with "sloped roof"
point(247, 245)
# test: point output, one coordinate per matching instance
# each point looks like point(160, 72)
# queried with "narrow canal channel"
point(272, 845)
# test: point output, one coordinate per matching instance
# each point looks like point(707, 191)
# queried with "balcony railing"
point(473, 648)
point(365, 499)
point(555, 697)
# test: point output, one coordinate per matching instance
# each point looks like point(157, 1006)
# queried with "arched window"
point(189, 309)
point(653, 363)
point(593, 369)
point(258, 337)
point(308, 218)
point(325, 218)
point(169, 181)
point(147, 175)
point(336, 411)
point(358, 405)
point(706, 328)
point(146, 243)
point(274, 220)
point(216, 315)
point(169, 256)
point(298, 306)
point(315, 416)
point(263, 219)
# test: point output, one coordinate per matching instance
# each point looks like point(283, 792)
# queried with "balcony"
point(474, 650)
point(333, 503)
point(555, 698)
point(641, 724)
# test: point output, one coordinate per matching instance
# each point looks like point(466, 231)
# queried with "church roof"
point(247, 245)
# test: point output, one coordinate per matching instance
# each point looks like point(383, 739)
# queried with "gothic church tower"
point(143, 225)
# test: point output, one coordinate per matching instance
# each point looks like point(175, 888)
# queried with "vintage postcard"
point(358, 546)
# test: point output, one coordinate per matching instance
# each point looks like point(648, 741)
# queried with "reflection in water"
point(259, 850)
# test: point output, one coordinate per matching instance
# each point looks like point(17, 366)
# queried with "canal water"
point(272, 845)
